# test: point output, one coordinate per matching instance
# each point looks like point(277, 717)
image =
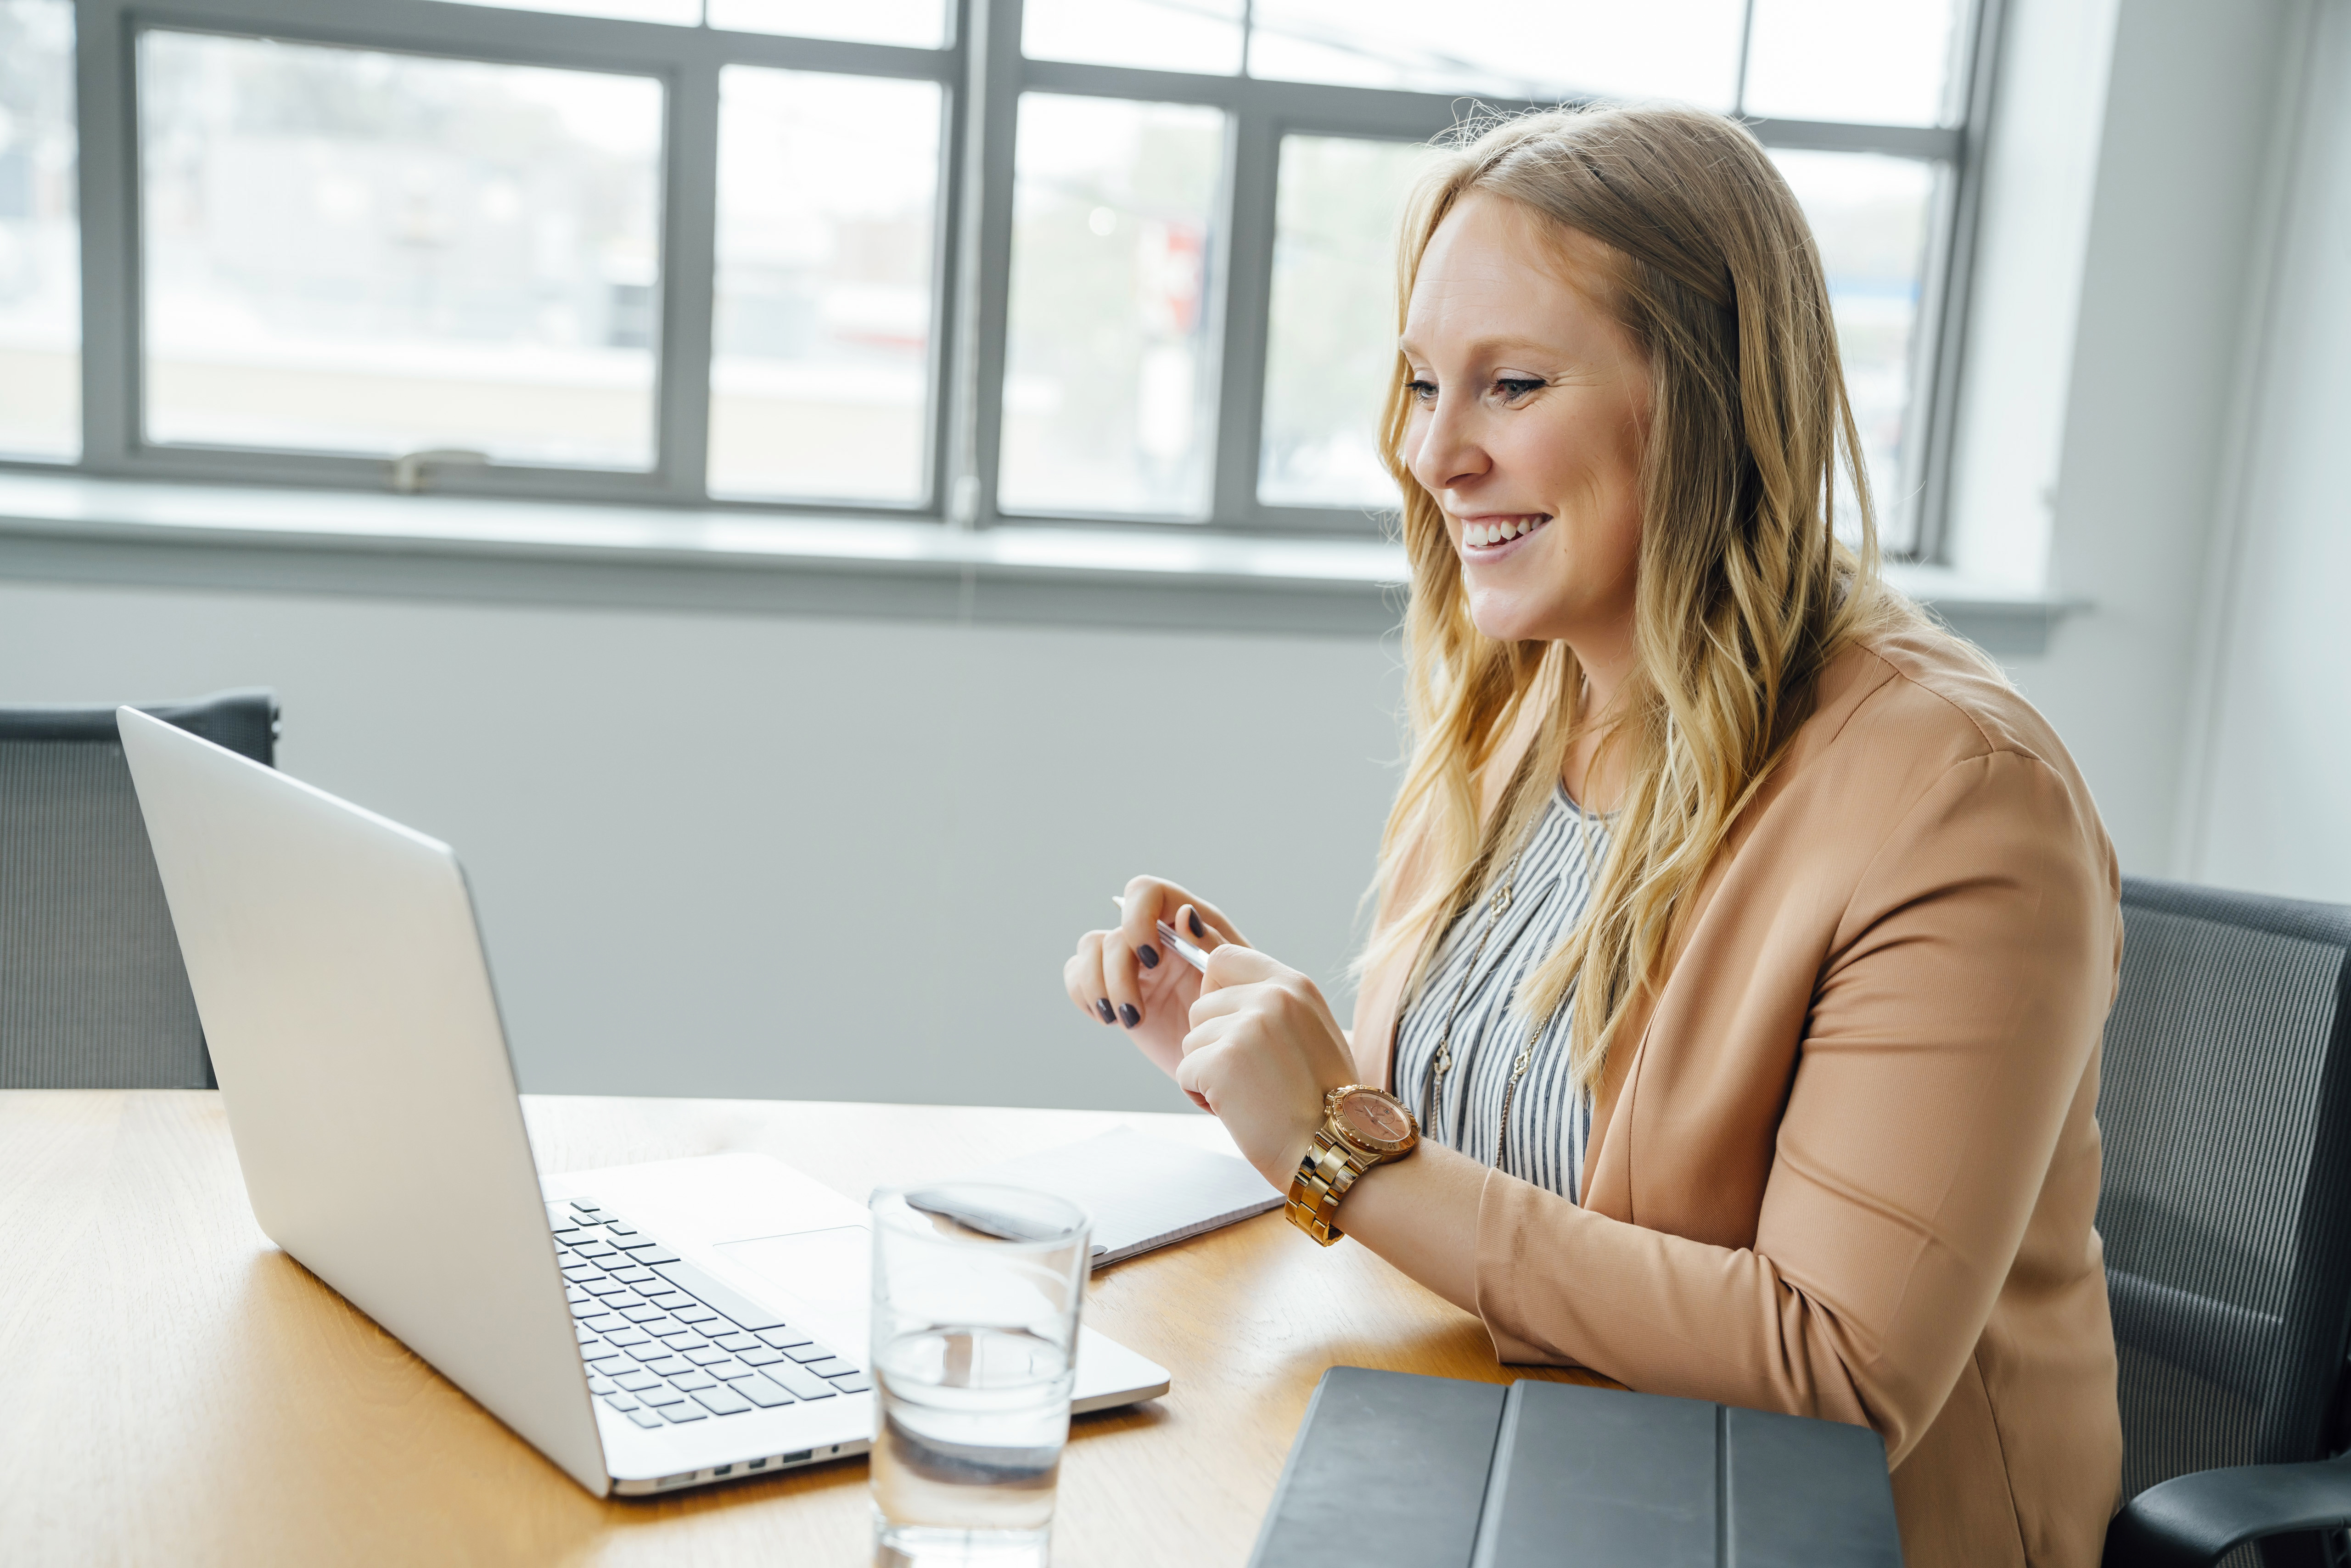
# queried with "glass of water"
point(976, 1292)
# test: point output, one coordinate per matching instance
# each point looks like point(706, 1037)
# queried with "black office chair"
point(92, 991)
point(2226, 1209)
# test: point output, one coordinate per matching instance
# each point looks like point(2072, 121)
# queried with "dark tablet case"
point(1391, 1471)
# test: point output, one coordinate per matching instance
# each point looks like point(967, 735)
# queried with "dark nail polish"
point(1101, 1006)
point(1193, 917)
point(1129, 1014)
point(1149, 954)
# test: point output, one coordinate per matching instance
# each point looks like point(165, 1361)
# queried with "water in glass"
point(972, 1424)
point(977, 1295)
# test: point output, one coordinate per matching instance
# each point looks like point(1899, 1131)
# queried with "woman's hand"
point(1264, 1049)
point(1121, 976)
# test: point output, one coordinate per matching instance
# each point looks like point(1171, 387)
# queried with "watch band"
point(1324, 1175)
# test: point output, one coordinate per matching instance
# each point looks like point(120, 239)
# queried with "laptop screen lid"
point(344, 994)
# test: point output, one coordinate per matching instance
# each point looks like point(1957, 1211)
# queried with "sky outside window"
point(917, 23)
point(1150, 35)
point(1886, 62)
point(1682, 49)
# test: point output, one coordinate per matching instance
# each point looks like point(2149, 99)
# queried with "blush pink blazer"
point(1845, 1162)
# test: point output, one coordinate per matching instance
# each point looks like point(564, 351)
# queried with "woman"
point(1743, 942)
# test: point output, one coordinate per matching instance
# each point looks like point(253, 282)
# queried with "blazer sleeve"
point(1957, 1011)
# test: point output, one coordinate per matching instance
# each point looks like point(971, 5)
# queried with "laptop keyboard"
point(665, 1344)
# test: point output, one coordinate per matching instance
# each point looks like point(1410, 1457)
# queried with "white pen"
point(1189, 952)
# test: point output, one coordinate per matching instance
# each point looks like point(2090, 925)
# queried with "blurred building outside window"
point(357, 252)
point(40, 265)
point(1107, 356)
point(820, 341)
point(1872, 217)
point(1330, 336)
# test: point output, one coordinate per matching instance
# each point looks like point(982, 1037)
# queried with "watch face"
point(1375, 1120)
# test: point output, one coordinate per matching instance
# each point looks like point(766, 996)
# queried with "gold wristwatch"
point(1362, 1128)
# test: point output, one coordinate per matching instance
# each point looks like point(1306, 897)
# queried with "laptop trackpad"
point(827, 1269)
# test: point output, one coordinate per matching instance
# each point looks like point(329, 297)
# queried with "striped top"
point(1550, 1122)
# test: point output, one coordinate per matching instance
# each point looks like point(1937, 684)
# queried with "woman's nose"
point(1446, 456)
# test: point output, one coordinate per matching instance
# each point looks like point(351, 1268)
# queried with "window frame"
point(982, 74)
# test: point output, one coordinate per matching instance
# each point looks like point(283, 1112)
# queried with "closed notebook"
point(1391, 1471)
point(1143, 1192)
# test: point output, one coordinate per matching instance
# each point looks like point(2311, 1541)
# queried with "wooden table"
point(173, 1389)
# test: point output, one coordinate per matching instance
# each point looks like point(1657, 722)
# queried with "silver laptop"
point(646, 1327)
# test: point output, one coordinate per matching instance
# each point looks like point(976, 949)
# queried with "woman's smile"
point(1491, 536)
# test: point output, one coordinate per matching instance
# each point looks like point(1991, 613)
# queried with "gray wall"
point(2270, 801)
point(2170, 254)
point(2153, 407)
point(796, 858)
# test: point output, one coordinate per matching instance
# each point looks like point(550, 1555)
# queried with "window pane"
point(1872, 61)
point(1683, 50)
point(1155, 35)
point(1871, 215)
point(1330, 345)
point(40, 244)
point(918, 24)
point(684, 12)
point(368, 253)
point(828, 187)
point(1107, 370)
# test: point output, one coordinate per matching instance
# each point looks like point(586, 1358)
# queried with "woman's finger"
point(1212, 1031)
point(1082, 976)
point(1200, 933)
point(1146, 900)
point(1207, 922)
point(1119, 986)
point(1196, 1074)
point(1224, 1002)
point(1073, 970)
point(1235, 964)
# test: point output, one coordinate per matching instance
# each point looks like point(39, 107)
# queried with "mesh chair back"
point(2228, 1163)
point(92, 991)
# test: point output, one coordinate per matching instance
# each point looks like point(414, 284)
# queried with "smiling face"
point(1530, 407)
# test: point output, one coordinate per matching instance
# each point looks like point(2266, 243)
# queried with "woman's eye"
point(1513, 388)
point(1422, 392)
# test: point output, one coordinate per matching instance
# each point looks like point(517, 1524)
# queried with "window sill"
point(74, 528)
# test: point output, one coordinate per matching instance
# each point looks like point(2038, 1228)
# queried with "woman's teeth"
point(1479, 534)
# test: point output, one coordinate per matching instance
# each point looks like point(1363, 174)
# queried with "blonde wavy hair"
point(1745, 592)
